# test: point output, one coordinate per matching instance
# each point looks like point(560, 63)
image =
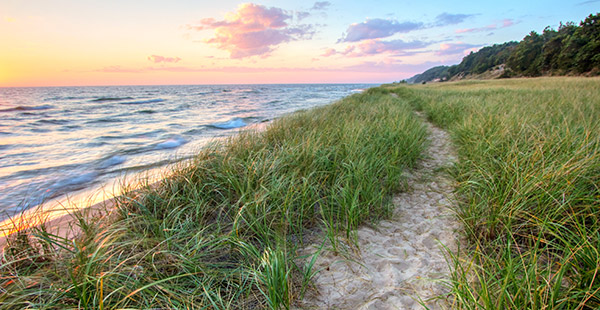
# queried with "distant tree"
point(587, 37)
point(554, 44)
point(439, 72)
point(483, 60)
point(570, 49)
point(526, 58)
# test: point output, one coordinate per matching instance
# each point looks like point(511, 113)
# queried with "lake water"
point(60, 140)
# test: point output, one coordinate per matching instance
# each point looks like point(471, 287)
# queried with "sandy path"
point(401, 259)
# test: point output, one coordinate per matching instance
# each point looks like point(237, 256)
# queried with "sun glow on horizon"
point(117, 43)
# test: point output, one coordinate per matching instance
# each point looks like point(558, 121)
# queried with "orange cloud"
point(158, 59)
point(253, 30)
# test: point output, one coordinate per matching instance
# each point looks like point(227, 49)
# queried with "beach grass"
point(528, 187)
point(222, 230)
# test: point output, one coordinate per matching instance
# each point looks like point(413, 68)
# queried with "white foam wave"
point(171, 143)
point(233, 123)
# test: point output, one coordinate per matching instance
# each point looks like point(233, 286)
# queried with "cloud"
point(373, 47)
point(158, 59)
point(321, 5)
point(445, 19)
point(391, 66)
point(119, 69)
point(503, 24)
point(588, 2)
point(329, 52)
point(447, 49)
point(376, 47)
point(377, 28)
point(302, 15)
point(507, 23)
point(253, 30)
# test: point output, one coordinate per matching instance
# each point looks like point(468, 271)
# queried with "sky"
point(124, 42)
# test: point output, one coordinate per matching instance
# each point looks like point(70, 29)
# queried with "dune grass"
point(529, 185)
point(221, 231)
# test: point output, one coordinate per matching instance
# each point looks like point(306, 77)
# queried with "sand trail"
point(401, 260)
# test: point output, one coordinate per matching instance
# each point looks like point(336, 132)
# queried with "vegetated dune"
point(223, 231)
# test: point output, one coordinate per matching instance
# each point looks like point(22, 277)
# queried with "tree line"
point(569, 50)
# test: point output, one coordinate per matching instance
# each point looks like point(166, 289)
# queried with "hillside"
point(570, 50)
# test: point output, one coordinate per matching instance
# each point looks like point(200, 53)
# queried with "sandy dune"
point(401, 260)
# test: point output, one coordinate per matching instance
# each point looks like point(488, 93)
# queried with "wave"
point(240, 112)
point(77, 181)
point(132, 135)
point(58, 98)
point(113, 161)
point(69, 127)
point(28, 108)
point(233, 123)
point(102, 99)
point(104, 120)
point(195, 131)
point(146, 111)
point(40, 130)
point(143, 101)
point(52, 121)
point(171, 143)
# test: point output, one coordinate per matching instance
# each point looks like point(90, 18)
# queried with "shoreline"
point(58, 214)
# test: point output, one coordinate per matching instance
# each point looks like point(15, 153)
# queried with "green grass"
point(528, 179)
point(222, 230)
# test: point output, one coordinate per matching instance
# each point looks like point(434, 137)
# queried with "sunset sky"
point(123, 42)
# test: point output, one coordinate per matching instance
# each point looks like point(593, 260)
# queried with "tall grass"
point(221, 231)
point(529, 188)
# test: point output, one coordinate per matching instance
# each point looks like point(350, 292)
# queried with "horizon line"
point(215, 84)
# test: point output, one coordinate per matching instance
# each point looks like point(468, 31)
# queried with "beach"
point(386, 199)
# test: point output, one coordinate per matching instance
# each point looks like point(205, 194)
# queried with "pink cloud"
point(392, 66)
point(504, 23)
point(455, 48)
point(376, 47)
point(253, 30)
point(507, 23)
point(377, 28)
point(118, 69)
point(158, 59)
point(489, 27)
point(373, 47)
point(386, 65)
point(329, 52)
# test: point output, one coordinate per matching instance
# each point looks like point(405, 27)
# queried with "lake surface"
point(60, 140)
